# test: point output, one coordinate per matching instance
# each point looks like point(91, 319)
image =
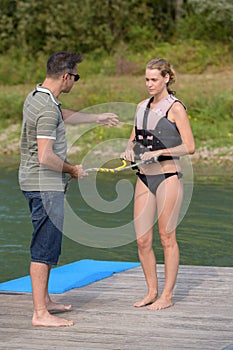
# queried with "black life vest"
point(153, 131)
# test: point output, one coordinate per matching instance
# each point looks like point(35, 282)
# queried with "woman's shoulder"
point(174, 101)
point(178, 106)
point(144, 102)
point(177, 112)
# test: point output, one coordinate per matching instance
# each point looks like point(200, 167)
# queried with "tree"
point(208, 20)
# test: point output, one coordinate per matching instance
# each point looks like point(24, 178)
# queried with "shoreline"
point(215, 163)
point(209, 166)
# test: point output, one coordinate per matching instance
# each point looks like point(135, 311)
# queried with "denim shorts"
point(47, 215)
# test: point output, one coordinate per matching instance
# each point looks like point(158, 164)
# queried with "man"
point(42, 175)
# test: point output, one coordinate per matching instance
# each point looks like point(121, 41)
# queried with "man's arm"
point(50, 160)
point(74, 117)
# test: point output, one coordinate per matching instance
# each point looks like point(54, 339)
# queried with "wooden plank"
point(202, 317)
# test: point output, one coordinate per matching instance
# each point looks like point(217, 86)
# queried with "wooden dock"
point(202, 317)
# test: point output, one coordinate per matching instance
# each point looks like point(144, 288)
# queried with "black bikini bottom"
point(153, 181)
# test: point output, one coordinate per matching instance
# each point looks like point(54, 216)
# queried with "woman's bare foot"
point(57, 307)
point(149, 299)
point(45, 319)
point(161, 303)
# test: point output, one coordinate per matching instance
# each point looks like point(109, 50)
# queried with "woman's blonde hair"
point(165, 68)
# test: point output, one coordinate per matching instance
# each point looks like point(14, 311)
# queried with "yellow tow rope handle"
point(108, 170)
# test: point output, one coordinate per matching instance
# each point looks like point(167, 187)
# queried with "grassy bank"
point(117, 84)
point(208, 97)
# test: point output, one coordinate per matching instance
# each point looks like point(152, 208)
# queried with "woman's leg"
point(169, 198)
point(144, 216)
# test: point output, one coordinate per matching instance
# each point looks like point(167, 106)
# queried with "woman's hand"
point(151, 155)
point(129, 154)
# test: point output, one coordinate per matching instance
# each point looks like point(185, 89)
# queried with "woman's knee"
point(168, 240)
point(144, 242)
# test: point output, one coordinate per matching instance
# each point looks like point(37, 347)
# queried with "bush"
point(207, 20)
point(211, 120)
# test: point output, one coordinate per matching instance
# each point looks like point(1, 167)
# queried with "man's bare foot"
point(57, 307)
point(149, 299)
point(161, 303)
point(48, 320)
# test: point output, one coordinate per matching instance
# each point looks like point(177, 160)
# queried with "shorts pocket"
point(37, 208)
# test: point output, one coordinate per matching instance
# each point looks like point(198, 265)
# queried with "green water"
point(205, 235)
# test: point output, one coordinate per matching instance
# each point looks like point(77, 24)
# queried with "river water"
point(205, 235)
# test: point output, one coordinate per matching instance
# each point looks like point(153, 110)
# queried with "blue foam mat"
point(74, 275)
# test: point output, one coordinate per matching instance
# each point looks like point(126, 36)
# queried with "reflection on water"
point(205, 234)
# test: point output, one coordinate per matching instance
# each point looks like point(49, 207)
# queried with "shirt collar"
point(47, 91)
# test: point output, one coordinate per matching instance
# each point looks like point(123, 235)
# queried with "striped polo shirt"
point(42, 118)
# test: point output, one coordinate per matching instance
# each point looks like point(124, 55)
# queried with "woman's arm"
point(178, 115)
point(129, 150)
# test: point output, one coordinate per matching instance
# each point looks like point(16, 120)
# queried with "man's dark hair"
point(61, 62)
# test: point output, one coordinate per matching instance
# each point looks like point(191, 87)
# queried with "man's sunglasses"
point(76, 76)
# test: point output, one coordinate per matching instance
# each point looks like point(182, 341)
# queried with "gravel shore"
point(209, 165)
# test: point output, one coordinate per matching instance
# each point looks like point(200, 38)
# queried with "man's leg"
point(41, 317)
point(53, 306)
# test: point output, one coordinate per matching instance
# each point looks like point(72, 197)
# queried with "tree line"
point(103, 25)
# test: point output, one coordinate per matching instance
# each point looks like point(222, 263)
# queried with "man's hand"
point(109, 119)
point(78, 172)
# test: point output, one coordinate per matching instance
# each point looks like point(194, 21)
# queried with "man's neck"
point(52, 85)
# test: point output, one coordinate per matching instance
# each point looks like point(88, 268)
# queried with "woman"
point(162, 131)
